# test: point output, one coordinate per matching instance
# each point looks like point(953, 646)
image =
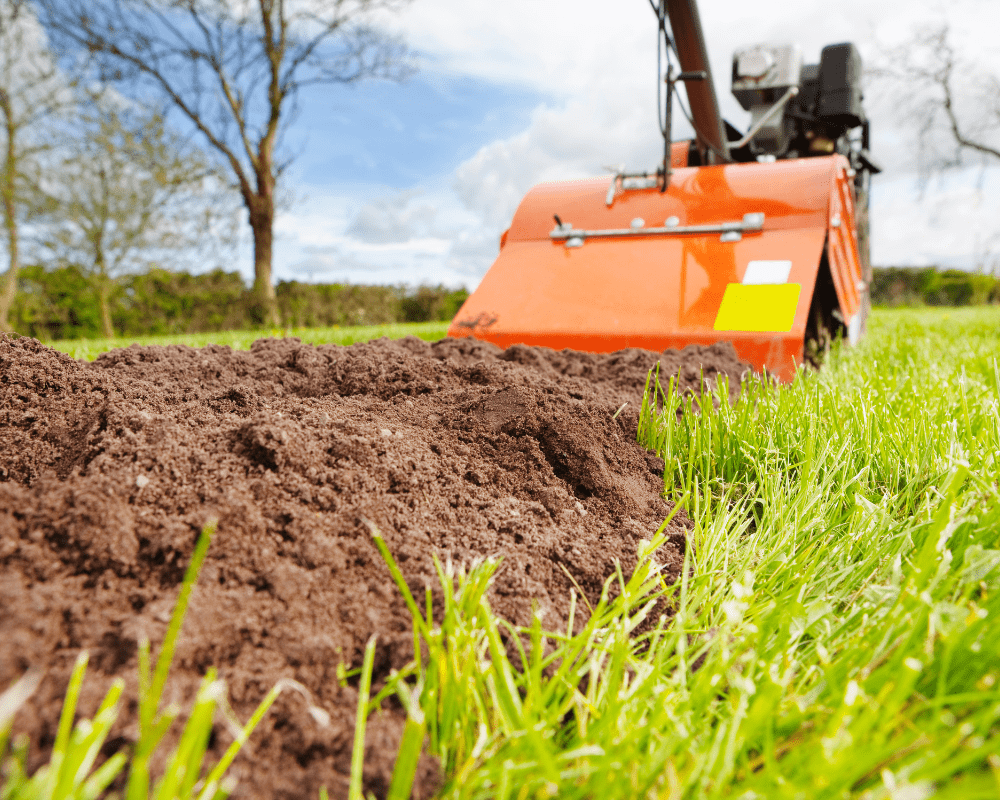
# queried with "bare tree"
point(127, 194)
point(234, 69)
point(954, 103)
point(31, 90)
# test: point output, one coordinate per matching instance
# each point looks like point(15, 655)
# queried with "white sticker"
point(767, 272)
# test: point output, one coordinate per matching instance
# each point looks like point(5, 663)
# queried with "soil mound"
point(109, 470)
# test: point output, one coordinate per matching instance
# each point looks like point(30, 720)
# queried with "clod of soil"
point(109, 470)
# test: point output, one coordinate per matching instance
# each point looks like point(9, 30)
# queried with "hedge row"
point(929, 286)
point(61, 304)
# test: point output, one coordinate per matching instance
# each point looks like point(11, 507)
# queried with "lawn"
point(836, 633)
point(89, 349)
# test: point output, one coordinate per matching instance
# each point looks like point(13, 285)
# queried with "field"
point(818, 618)
point(90, 349)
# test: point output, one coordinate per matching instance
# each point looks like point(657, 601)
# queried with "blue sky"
point(399, 135)
point(414, 182)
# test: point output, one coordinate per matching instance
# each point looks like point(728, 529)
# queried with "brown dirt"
point(109, 470)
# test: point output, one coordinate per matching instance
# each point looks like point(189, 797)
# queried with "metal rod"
point(750, 223)
point(689, 40)
point(667, 143)
point(792, 92)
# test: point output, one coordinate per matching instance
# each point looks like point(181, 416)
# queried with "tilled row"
point(109, 470)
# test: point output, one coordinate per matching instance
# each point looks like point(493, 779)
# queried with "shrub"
point(55, 304)
point(930, 286)
point(318, 305)
point(431, 303)
point(165, 302)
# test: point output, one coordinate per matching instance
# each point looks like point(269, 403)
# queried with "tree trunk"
point(104, 301)
point(265, 301)
point(9, 287)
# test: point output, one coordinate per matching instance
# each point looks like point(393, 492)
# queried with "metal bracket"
point(630, 180)
point(730, 231)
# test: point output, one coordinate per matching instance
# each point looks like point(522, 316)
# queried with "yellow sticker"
point(766, 307)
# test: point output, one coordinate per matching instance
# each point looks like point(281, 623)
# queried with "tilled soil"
point(109, 470)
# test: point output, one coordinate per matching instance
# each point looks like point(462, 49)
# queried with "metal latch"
point(730, 231)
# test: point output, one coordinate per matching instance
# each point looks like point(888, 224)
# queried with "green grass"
point(89, 349)
point(837, 635)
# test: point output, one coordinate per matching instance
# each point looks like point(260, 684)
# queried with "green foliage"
point(56, 303)
point(907, 286)
point(313, 305)
point(161, 302)
point(63, 303)
point(70, 773)
point(836, 632)
point(429, 303)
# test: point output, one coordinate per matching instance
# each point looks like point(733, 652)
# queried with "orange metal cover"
point(637, 287)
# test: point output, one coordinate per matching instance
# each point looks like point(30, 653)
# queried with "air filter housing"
point(840, 86)
point(763, 73)
point(762, 76)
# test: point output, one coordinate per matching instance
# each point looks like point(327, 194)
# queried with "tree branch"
point(925, 71)
point(956, 130)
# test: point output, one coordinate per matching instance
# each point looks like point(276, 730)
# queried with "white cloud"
point(602, 56)
point(579, 139)
point(556, 46)
point(371, 235)
point(390, 220)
